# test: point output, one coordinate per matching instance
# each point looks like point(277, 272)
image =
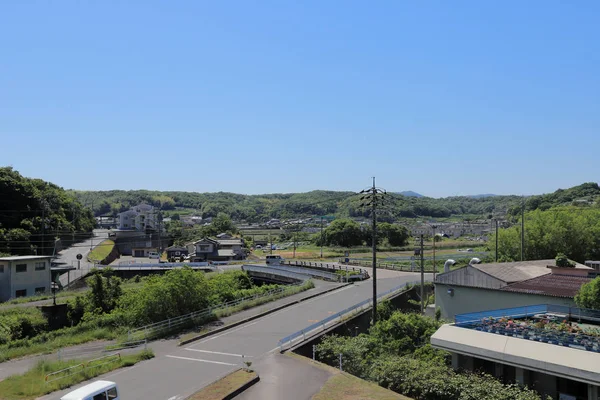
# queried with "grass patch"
point(101, 251)
point(48, 342)
point(224, 386)
point(31, 384)
point(344, 386)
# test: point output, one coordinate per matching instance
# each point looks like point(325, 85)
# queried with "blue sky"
point(443, 98)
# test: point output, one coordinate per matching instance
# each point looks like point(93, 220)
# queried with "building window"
point(1, 269)
point(40, 290)
point(21, 293)
point(40, 266)
point(21, 267)
point(204, 247)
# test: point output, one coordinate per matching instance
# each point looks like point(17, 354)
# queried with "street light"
point(54, 288)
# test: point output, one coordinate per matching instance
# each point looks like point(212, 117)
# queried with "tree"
point(589, 295)
point(222, 223)
point(397, 235)
point(572, 231)
point(563, 261)
point(344, 233)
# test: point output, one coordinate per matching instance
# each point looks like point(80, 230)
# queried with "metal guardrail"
point(336, 317)
point(304, 271)
point(315, 264)
point(161, 266)
point(79, 368)
point(150, 329)
point(272, 270)
point(393, 267)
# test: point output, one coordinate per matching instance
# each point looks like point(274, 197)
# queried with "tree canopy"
point(573, 231)
point(34, 212)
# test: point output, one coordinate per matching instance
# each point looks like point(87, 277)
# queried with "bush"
point(21, 323)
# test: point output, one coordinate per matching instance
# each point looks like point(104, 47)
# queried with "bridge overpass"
point(177, 372)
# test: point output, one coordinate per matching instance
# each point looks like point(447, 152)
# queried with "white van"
point(275, 259)
point(153, 254)
point(99, 390)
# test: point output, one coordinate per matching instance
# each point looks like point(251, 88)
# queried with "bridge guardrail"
point(323, 323)
point(333, 267)
point(273, 270)
point(307, 271)
point(170, 323)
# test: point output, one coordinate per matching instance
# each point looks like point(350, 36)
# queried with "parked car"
point(154, 255)
point(95, 390)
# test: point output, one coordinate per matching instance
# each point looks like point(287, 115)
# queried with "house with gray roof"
point(481, 287)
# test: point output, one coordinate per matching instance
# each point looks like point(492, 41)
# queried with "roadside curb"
point(242, 388)
point(252, 318)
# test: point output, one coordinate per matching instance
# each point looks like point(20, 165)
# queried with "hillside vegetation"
point(34, 212)
point(257, 208)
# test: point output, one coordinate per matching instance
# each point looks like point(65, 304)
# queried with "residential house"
point(481, 287)
point(176, 251)
point(141, 218)
point(22, 276)
point(208, 249)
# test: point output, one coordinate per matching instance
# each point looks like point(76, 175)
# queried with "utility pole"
point(43, 225)
point(434, 226)
point(321, 237)
point(523, 229)
point(270, 243)
point(371, 195)
point(295, 240)
point(422, 277)
point(496, 240)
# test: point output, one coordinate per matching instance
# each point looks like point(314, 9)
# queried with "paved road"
point(178, 372)
point(68, 256)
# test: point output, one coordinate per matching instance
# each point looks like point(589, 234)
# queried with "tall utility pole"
point(434, 226)
point(270, 243)
point(422, 277)
point(496, 239)
point(523, 229)
point(373, 195)
point(321, 237)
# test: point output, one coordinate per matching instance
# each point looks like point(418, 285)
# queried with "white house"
point(22, 276)
point(139, 218)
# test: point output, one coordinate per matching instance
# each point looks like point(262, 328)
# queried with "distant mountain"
point(410, 193)
point(482, 196)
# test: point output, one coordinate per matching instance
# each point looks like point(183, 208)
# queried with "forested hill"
point(34, 212)
point(258, 208)
point(582, 195)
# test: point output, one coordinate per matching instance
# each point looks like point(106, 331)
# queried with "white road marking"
point(200, 360)
point(227, 332)
point(176, 397)
point(217, 352)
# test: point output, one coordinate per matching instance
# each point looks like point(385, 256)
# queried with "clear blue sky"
point(443, 98)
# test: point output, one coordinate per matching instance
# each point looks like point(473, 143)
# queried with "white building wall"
point(31, 279)
point(468, 299)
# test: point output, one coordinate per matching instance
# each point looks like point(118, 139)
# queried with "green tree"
point(396, 235)
point(222, 223)
point(344, 233)
point(105, 291)
point(589, 295)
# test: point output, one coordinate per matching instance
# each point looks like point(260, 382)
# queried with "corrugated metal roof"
point(550, 285)
point(229, 242)
point(518, 271)
point(23, 258)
